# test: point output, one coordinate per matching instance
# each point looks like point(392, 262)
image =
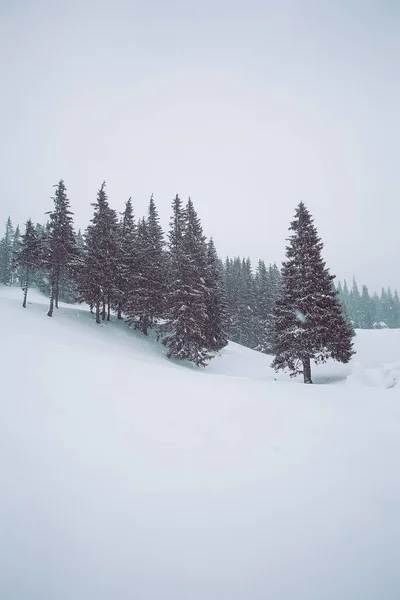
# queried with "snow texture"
point(128, 476)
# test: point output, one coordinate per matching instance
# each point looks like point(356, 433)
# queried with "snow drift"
point(125, 475)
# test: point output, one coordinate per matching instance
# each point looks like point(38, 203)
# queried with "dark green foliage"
point(28, 257)
point(145, 305)
point(188, 336)
point(98, 271)
point(6, 254)
point(215, 301)
point(250, 301)
point(59, 250)
point(125, 284)
point(366, 312)
point(308, 319)
point(16, 275)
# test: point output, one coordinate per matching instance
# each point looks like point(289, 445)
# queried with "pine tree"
point(147, 305)
point(6, 254)
point(97, 277)
point(40, 277)
point(60, 244)
point(216, 337)
point(80, 242)
point(127, 259)
point(355, 305)
point(28, 256)
point(366, 310)
point(16, 246)
point(263, 308)
point(309, 323)
point(187, 310)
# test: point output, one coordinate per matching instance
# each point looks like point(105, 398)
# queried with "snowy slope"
point(126, 476)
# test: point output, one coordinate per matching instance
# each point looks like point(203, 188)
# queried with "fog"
point(246, 107)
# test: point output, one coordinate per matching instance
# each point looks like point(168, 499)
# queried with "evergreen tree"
point(241, 300)
point(147, 305)
point(216, 337)
point(6, 254)
point(396, 309)
point(355, 305)
point(383, 312)
point(377, 311)
point(367, 317)
point(127, 259)
point(40, 277)
point(80, 242)
point(28, 256)
point(60, 244)
point(16, 276)
point(263, 309)
point(187, 315)
point(98, 273)
point(309, 323)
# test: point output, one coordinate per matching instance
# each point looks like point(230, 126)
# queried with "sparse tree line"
point(176, 286)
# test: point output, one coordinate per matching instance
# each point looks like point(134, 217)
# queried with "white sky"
point(249, 107)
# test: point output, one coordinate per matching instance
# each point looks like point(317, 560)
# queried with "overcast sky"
point(248, 107)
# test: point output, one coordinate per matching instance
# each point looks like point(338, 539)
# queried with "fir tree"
point(309, 323)
point(127, 259)
point(367, 317)
point(148, 302)
point(80, 242)
point(355, 305)
point(216, 337)
point(16, 246)
point(98, 273)
point(263, 308)
point(28, 256)
point(6, 254)
point(60, 244)
point(187, 314)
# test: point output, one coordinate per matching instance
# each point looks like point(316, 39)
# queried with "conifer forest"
point(174, 286)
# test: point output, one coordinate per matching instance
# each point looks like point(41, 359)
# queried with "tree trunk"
point(103, 312)
point(26, 288)
point(307, 370)
point(50, 313)
point(98, 312)
point(57, 288)
point(119, 311)
point(108, 309)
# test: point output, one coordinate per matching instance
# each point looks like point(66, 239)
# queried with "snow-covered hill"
point(126, 476)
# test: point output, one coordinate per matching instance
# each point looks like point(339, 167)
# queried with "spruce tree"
point(366, 309)
point(28, 257)
point(263, 308)
point(16, 245)
point(146, 305)
point(187, 311)
point(308, 318)
point(216, 337)
point(97, 277)
point(6, 254)
point(355, 305)
point(60, 249)
point(127, 259)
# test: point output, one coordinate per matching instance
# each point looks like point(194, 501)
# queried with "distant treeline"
point(370, 312)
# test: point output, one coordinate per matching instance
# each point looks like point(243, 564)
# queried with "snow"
point(125, 475)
